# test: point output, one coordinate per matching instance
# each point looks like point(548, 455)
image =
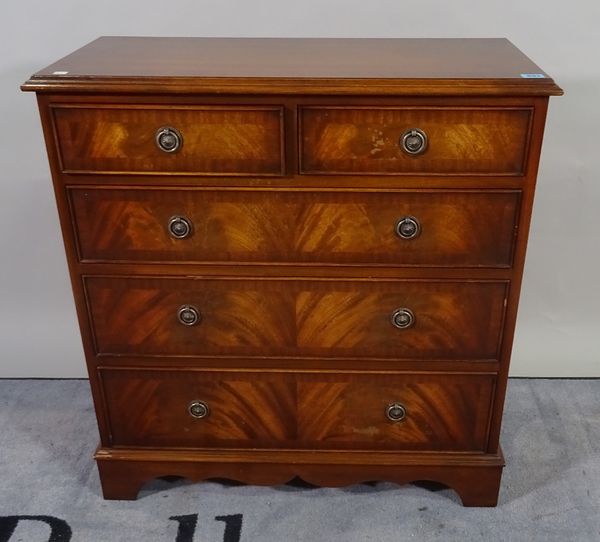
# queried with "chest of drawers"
point(296, 257)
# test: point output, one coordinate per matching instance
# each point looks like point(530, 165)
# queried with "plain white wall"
point(559, 322)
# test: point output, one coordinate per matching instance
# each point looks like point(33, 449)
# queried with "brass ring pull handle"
point(403, 318)
point(413, 141)
point(198, 409)
point(395, 412)
point(408, 227)
point(180, 227)
point(188, 315)
point(168, 139)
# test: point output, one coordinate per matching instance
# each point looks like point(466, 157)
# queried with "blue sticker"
point(533, 76)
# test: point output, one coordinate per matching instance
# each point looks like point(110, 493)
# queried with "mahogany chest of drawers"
point(296, 257)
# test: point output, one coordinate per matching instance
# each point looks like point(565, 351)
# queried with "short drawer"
point(414, 140)
point(191, 140)
point(436, 228)
point(196, 409)
point(322, 318)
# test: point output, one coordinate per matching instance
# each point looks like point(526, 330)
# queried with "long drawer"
point(167, 140)
point(195, 409)
point(430, 228)
point(342, 318)
point(414, 140)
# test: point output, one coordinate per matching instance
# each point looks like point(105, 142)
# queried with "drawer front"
point(213, 140)
point(302, 318)
point(459, 141)
point(297, 410)
point(471, 229)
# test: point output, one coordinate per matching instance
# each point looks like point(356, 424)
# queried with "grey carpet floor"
point(550, 490)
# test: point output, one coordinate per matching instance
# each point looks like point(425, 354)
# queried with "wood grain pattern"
point(291, 173)
point(473, 229)
point(303, 410)
point(311, 318)
point(447, 412)
point(216, 140)
point(148, 408)
point(474, 476)
point(293, 66)
point(477, 141)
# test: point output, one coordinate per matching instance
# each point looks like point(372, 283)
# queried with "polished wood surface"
point(458, 228)
point(296, 65)
point(460, 141)
point(291, 177)
point(443, 412)
point(304, 318)
point(216, 140)
point(475, 477)
point(297, 410)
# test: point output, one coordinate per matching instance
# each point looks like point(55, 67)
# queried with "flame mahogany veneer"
point(289, 260)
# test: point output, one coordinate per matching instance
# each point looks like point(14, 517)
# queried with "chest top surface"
point(437, 66)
